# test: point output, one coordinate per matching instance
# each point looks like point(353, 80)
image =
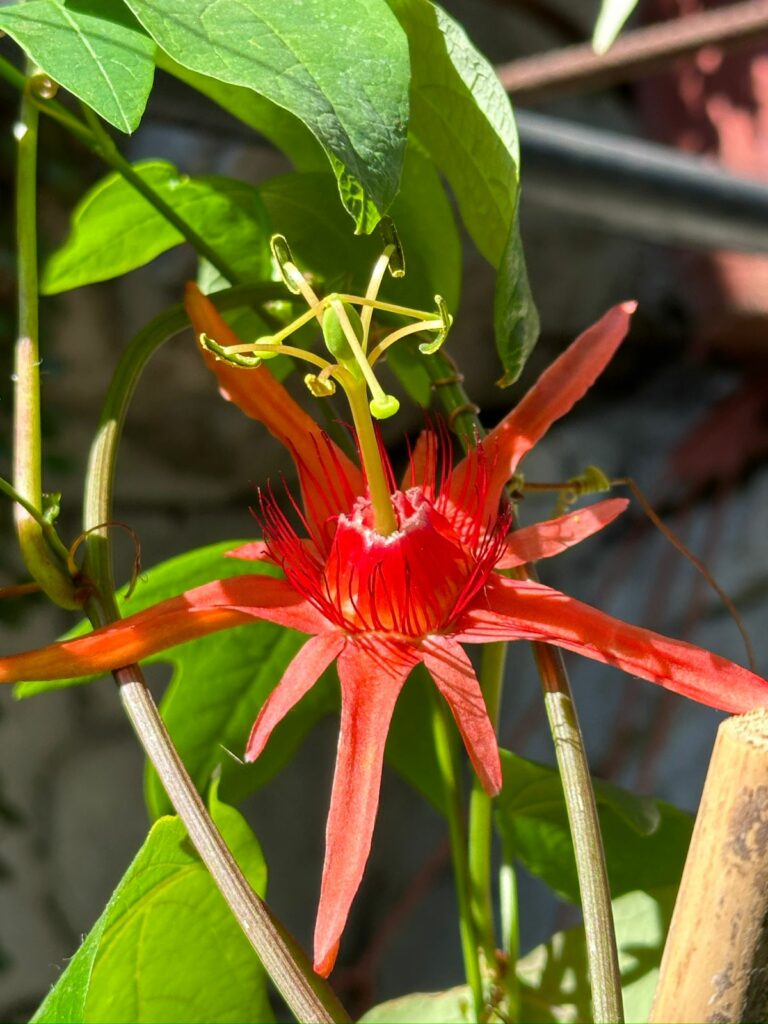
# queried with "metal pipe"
point(632, 186)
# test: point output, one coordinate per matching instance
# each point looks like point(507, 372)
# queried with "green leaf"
point(94, 49)
point(645, 840)
point(342, 69)
point(167, 948)
point(555, 975)
point(115, 229)
point(454, 1006)
point(219, 683)
point(515, 318)
point(461, 114)
point(610, 21)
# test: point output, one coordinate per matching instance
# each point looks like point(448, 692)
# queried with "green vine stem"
point(44, 563)
point(569, 747)
point(450, 771)
point(310, 997)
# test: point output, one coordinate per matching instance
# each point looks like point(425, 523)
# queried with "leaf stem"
point(570, 752)
point(450, 770)
point(44, 563)
point(309, 996)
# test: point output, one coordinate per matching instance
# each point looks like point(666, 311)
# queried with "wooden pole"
point(715, 964)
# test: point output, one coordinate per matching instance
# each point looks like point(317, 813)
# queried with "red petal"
point(329, 480)
point(372, 673)
point(207, 609)
point(300, 676)
point(557, 390)
point(531, 543)
point(455, 678)
point(530, 611)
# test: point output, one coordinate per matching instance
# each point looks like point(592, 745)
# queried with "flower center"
point(407, 582)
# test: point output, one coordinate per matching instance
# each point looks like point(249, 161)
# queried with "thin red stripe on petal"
point(300, 676)
point(259, 395)
point(455, 678)
point(514, 610)
point(207, 609)
point(557, 390)
point(543, 540)
point(372, 673)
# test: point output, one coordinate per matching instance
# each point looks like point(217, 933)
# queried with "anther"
point(244, 359)
point(319, 386)
point(281, 253)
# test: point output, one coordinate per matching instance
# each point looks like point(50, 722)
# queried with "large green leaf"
point(167, 948)
point(115, 229)
point(93, 48)
point(410, 750)
point(556, 976)
point(645, 840)
point(342, 69)
point(219, 682)
point(461, 114)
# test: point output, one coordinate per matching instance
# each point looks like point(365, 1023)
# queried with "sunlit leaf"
point(556, 975)
point(167, 948)
point(454, 1006)
point(115, 229)
point(93, 48)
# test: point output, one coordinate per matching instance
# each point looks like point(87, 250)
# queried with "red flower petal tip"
point(323, 964)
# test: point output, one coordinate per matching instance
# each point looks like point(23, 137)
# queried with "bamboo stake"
point(715, 964)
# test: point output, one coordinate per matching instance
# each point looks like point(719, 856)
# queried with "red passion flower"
point(380, 601)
